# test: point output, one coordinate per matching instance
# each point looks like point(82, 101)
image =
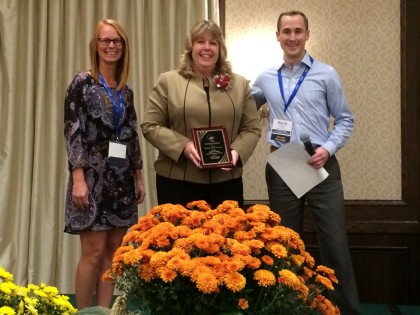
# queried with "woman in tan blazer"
point(203, 92)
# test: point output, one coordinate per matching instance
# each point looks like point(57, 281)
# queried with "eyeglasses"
point(107, 41)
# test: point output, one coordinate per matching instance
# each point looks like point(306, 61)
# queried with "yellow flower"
point(32, 299)
point(6, 276)
point(8, 287)
point(6, 310)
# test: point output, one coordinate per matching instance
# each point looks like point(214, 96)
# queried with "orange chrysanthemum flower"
point(267, 260)
point(264, 278)
point(166, 274)
point(240, 249)
point(226, 254)
point(325, 282)
point(147, 272)
point(199, 204)
point(132, 257)
point(243, 304)
point(159, 259)
point(298, 259)
point(234, 281)
point(328, 272)
point(207, 283)
point(309, 273)
point(289, 279)
point(235, 264)
point(175, 263)
point(279, 251)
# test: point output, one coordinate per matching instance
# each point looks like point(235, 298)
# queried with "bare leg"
point(105, 289)
point(93, 247)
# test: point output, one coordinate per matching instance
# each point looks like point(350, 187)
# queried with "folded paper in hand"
point(290, 162)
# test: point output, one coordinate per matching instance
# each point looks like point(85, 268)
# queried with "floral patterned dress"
point(89, 125)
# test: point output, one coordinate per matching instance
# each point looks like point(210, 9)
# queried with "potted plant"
point(198, 260)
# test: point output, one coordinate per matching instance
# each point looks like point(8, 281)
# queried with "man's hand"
point(320, 157)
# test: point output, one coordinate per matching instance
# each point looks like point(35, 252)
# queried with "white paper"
point(117, 150)
point(290, 162)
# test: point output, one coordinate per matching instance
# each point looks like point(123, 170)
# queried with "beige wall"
point(361, 39)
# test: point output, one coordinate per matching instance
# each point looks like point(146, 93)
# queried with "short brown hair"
point(292, 13)
point(123, 64)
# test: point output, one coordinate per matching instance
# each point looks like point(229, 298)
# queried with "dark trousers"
point(182, 192)
point(326, 201)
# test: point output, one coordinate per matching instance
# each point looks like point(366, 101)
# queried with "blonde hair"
point(186, 66)
point(123, 64)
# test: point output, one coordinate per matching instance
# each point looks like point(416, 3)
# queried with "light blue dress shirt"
point(319, 98)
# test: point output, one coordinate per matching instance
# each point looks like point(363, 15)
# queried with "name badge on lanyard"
point(117, 152)
point(281, 130)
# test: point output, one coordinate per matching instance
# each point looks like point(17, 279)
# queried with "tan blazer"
point(177, 104)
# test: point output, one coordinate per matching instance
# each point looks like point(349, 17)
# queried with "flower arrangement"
point(198, 260)
point(222, 81)
point(32, 299)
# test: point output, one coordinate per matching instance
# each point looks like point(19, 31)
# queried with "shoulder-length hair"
point(186, 66)
point(123, 64)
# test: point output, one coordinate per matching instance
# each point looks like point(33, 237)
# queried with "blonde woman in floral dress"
point(105, 183)
point(203, 92)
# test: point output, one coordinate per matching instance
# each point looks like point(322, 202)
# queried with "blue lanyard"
point(298, 84)
point(117, 115)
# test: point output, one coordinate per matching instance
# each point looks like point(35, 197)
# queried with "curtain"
point(43, 44)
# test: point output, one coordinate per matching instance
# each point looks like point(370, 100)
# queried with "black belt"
point(273, 148)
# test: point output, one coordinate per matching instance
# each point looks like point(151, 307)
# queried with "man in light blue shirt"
point(303, 95)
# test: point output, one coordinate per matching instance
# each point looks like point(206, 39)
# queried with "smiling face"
point(292, 36)
point(109, 53)
point(205, 53)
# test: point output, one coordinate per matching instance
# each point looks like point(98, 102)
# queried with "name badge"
point(281, 130)
point(117, 153)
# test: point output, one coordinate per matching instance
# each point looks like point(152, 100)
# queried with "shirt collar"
point(306, 60)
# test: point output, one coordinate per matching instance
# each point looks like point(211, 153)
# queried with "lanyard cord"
point(117, 115)
point(295, 90)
